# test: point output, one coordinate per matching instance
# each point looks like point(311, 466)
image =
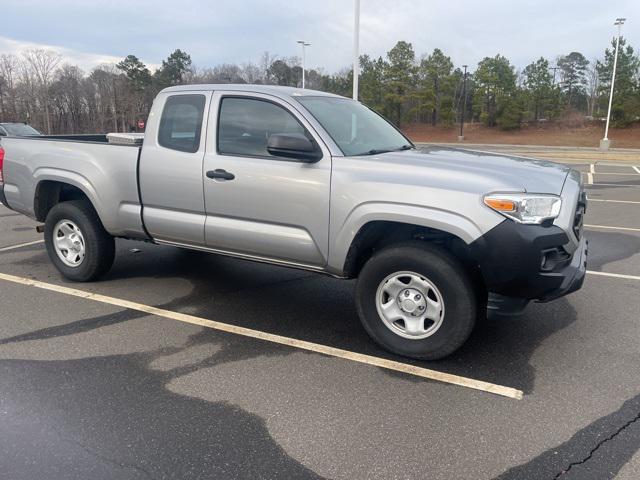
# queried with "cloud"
point(84, 60)
point(239, 31)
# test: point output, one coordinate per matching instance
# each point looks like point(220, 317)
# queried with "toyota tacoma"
point(436, 237)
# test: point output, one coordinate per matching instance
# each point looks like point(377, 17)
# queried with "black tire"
point(445, 272)
point(99, 245)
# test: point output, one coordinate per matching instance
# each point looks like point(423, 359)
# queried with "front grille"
point(578, 219)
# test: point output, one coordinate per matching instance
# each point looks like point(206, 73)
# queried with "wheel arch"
point(378, 234)
point(52, 190)
point(375, 225)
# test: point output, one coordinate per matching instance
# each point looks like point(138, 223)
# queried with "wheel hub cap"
point(412, 301)
point(68, 243)
point(410, 305)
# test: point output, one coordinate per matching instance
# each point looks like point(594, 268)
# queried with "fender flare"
point(71, 178)
point(446, 221)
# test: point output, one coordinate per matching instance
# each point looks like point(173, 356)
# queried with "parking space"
point(616, 179)
point(96, 390)
point(619, 193)
point(16, 228)
point(619, 169)
point(613, 213)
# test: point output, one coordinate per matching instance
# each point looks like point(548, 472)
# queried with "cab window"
point(245, 125)
point(181, 123)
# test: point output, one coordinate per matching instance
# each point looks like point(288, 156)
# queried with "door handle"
point(221, 174)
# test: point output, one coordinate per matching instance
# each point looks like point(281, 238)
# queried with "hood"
point(477, 171)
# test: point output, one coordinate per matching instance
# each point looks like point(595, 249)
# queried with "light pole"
point(303, 44)
point(604, 143)
point(464, 102)
point(356, 47)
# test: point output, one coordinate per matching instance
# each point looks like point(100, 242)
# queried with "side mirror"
point(293, 145)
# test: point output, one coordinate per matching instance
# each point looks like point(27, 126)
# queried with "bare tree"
point(105, 78)
point(9, 65)
point(68, 100)
point(27, 92)
point(42, 64)
point(266, 60)
point(593, 86)
point(251, 73)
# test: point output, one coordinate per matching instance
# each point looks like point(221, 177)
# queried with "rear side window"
point(245, 125)
point(181, 122)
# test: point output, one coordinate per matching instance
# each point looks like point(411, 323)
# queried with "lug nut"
point(418, 297)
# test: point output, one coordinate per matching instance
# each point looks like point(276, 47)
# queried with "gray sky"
point(238, 31)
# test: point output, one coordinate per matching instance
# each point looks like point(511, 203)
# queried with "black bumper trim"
point(574, 274)
point(511, 256)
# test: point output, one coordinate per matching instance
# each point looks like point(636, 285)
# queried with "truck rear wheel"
point(77, 243)
point(416, 300)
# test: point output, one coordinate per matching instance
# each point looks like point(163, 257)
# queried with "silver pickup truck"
point(310, 180)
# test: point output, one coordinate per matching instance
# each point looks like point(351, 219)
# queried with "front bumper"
point(520, 263)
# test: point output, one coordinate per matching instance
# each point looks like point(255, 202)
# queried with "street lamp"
point(303, 44)
point(604, 143)
point(356, 47)
point(464, 102)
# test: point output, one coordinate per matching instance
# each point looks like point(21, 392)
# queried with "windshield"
point(355, 128)
point(20, 129)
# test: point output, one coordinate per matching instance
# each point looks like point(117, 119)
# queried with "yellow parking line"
point(13, 247)
point(269, 337)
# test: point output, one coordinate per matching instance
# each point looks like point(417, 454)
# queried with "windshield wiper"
point(406, 147)
point(377, 151)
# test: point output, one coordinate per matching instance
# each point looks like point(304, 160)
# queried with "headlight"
point(525, 207)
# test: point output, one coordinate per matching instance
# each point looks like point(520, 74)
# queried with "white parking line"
point(612, 201)
point(613, 228)
point(269, 337)
point(614, 275)
point(636, 169)
point(610, 184)
point(592, 170)
point(13, 247)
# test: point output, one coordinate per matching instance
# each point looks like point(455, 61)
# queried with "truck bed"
point(106, 172)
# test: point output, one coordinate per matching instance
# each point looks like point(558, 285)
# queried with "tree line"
point(37, 88)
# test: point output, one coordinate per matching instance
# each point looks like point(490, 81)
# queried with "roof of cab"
point(275, 90)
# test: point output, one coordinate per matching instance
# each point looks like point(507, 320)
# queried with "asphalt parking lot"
point(90, 389)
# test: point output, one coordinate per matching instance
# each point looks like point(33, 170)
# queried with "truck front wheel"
point(416, 300)
point(77, 243)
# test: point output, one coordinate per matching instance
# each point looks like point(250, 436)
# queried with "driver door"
point(259, 205)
